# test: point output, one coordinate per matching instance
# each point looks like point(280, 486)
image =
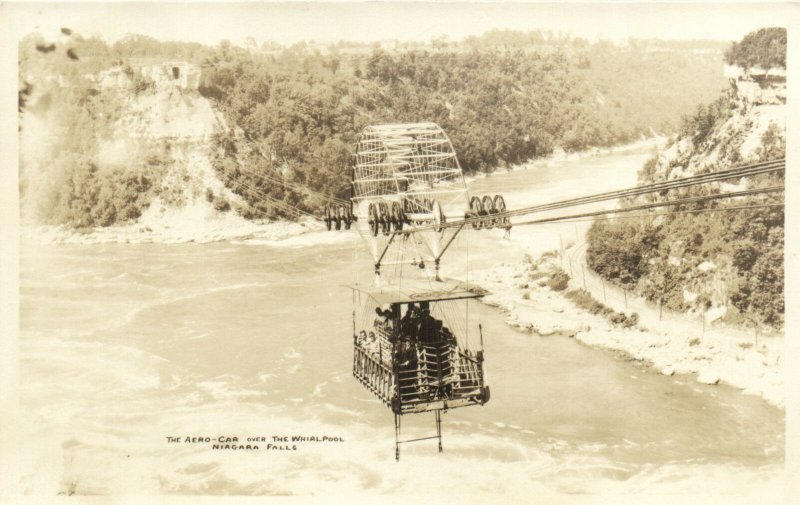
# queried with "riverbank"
point(725, 356)
point(713, 354)
point(185, 225)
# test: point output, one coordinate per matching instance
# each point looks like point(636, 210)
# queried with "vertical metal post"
point(439, 427)
point(397, 437)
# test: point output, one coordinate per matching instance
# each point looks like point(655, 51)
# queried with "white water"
point(123, 345)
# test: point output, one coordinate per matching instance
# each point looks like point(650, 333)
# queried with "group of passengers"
point(417, 328)
point(418, 347)
point(372, 344)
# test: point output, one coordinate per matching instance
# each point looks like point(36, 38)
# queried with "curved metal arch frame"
point(398, 160)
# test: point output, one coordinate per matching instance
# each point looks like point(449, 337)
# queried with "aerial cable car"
point(411, 340)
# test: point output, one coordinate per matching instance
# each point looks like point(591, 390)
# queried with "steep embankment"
point(157, 134)
point(722, 262)
point(121, 139)
point(725, 264)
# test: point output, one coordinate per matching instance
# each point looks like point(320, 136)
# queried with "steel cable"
point(739, 172)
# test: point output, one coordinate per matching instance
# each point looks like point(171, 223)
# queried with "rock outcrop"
point(756, 86)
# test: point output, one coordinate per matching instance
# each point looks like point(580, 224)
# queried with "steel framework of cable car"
point(407, 182)
point(412, 345)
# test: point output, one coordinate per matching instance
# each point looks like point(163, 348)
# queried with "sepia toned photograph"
point(385, 249)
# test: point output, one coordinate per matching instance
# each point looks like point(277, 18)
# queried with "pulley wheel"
point(476, 207)
point(488, 208)
point(344, 219)
point(337, 220)
point(383, 217)
point(500, 207)
point(398, 216)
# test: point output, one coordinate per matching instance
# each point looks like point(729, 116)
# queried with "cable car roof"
point(415, 291)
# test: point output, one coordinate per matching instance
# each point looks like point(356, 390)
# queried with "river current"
point(123, 346)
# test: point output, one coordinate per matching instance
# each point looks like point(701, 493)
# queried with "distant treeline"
point(514, 97)
point(295, 112)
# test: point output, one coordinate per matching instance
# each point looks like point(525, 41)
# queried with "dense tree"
point(294, 113)
point(764, 48)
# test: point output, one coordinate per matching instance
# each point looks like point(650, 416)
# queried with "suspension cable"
point(297, 187)
point(680, 201)
point(291, 185)
point(276, 202)
point(668, 213)
point(739, 172)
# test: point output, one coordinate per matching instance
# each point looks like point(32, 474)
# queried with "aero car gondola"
point(413, 348)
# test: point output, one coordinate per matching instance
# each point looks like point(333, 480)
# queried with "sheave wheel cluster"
point(480, 208)
point(338, 217)
point(385, 217)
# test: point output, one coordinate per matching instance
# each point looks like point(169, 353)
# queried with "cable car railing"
point(437, 375)
point(373, 374)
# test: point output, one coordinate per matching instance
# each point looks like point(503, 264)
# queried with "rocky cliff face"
point(747, 125)
point(168, 111)
point(756, 85)
point(734, 132)
point(159, 127)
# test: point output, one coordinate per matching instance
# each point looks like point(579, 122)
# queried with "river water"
point(125, 345)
